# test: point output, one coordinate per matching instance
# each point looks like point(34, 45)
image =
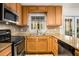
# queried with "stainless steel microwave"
point(7, 15)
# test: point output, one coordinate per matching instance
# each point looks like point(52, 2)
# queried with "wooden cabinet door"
point(24, 16)
point(42, 45)
point(30, 45)
point(51, 16)
point(19, 13)
point(58, 15)
point(55, 46)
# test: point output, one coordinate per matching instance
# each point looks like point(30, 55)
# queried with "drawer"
point(6, 51)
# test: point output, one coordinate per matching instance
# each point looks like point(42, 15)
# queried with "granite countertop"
point(4, 45)
point(72, 41)
point(19, 34)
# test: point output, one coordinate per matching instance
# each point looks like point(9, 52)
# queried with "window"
point(71, 26)
point(37, 23)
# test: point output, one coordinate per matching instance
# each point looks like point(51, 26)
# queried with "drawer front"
point(6, 51)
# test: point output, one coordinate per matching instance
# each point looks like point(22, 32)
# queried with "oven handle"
point(18, 43)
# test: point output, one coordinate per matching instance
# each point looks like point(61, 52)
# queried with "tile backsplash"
point(12, 27)
point(15, 28)
point(53, 30)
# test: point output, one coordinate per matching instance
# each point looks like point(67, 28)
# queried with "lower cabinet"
point(36, 45)
point(6, 52)
point(30, 46)
point(55, 46)
point(41, 44)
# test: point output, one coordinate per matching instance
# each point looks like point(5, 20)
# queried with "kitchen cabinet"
point(54, 16)
point(37, 45)
point(30, 46)
point(42, 45)
point(51, 16)
point(37, 9)
point(30, 9)
point(54, 45)
point(24, 16)
point(19, 13)
point(53, 13)
point(6, 52)
point(58, 15)
point(11, 6)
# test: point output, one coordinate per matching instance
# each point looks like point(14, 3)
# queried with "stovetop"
point(15, 39)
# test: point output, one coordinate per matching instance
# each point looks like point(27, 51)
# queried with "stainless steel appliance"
point(17, 42)
point(6, 14)
point(5, 35)
point(18, 45)
point(65, 49)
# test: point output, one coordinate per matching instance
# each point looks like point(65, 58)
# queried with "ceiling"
point(54, 4)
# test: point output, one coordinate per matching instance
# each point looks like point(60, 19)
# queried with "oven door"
point(19, 49)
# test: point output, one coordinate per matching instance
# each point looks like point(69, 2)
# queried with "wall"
point(53, 30)
point(12, 27)
point(68, 11)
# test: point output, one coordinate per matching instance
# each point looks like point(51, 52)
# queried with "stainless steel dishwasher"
point(64, 49)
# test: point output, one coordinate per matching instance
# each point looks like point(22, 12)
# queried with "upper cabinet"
point(58, 15)
point(54, 14)
point(24, 16)
point(51, 15)
point(37, 9)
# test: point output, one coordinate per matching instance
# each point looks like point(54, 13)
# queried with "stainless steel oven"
point(18, 46)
